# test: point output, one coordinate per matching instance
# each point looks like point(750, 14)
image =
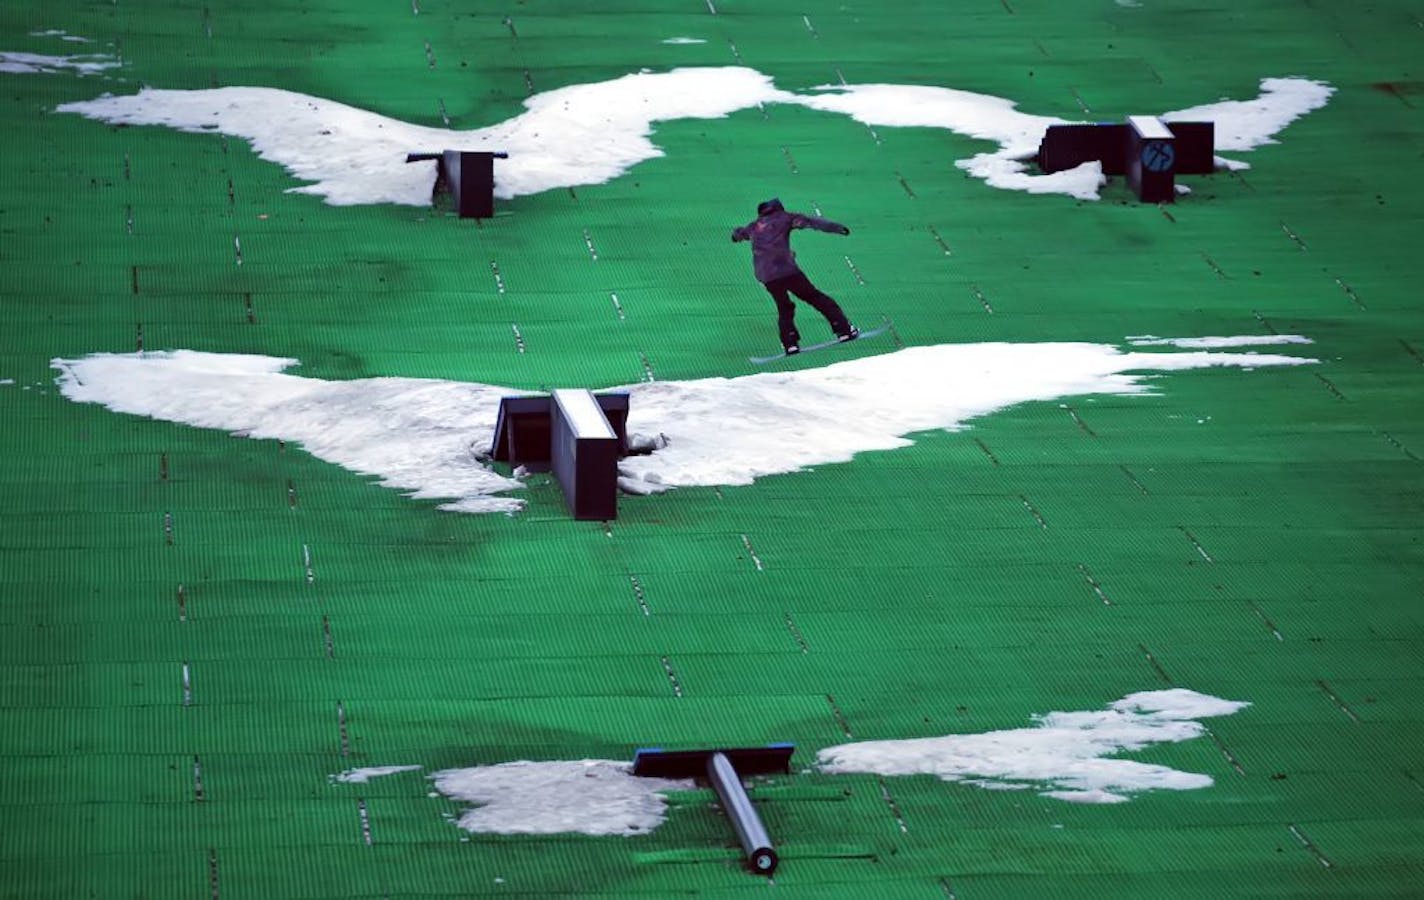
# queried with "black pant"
point(802, 287)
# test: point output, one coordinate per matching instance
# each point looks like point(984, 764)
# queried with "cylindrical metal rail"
point(761, 857)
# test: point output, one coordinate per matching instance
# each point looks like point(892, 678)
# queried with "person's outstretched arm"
point(741, 233)
point(802, 221)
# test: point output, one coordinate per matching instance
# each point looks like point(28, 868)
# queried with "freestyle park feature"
point(430, 437)
point(579, 435)
point(724, 769)
point(353, 156)
point(466, 175)
point(1070, 756)
point(1149, 151)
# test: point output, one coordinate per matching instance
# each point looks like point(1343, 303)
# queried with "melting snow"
point(591, 133)
point(592, 796)
point(1216, 343)
point(361, 776)
point(427, 437)
point(40, 64)
point(415, 435)
point(1248, 124)
point(1066, 754)
point(62, 35)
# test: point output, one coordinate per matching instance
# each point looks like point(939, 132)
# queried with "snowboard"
point(812, 348)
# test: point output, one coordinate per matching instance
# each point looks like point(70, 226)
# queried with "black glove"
point(845, 230)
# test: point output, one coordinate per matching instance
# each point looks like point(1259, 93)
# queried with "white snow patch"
point(1067, 754)
point(730, 431)
point(361, 776)
point(591, 796)
point(980, 116)
point(1242, 125)
point(40, 64)
point(4, 381)
point(1088, 797)
point(577, 135)
point(425, 436)
point(1213, 343)
point(62, 35)
point(592, 133)
point(416, 435)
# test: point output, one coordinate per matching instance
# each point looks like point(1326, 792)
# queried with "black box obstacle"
point(578, 435)
point(468, 175)
point(1147, 150)
point(724, 769)
point(1069, 146)
point(1195, 146)
point(1151, 159)
point(584, 453)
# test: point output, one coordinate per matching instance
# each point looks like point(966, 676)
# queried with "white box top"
point(1150, 128)
point(583, 413)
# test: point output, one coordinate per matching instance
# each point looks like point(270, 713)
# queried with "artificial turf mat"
point(197, 630)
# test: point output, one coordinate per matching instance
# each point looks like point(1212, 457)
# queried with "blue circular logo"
point(1158, 156)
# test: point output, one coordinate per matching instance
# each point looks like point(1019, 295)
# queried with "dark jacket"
point(770, 234)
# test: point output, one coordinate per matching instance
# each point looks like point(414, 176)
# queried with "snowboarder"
point(775, 267)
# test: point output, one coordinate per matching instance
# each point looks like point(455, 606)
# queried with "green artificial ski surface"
point(1256, 537)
